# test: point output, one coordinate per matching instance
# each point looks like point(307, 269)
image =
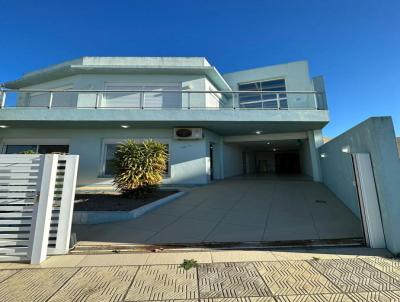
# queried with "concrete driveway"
point(237, 210)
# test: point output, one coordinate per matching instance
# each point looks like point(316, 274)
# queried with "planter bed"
point(108, 207)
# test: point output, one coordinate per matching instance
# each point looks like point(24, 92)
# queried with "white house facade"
point(266, 120)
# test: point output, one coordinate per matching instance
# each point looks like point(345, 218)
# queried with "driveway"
point(237, 210)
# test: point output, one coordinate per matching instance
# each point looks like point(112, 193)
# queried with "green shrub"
point(139, 167)
point(28, 152)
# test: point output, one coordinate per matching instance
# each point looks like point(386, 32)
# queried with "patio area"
point(245, 209)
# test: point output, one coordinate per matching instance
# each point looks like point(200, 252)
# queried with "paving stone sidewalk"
point(221, 276)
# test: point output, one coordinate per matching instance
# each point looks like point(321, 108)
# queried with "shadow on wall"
point(375, 136)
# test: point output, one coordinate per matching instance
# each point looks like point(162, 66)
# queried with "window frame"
point(32, 142)
point(260, 81)
point(113, 141)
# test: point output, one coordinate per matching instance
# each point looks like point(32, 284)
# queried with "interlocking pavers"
point(315, 298)
point(376, 296)
point(228, 280)
point(389, 266)
point(294, 278)
point(4, 274)
point(354, 275)
point(34, 284)
point(97, 284)
point(245, 299)
point(163, 282)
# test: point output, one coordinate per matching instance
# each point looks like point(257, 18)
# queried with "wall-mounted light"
point(346, 149)
point(3, 126)
point(258, 131)
point(275, 149)
point(323, 155)
point(125, 126)
point(268, 143)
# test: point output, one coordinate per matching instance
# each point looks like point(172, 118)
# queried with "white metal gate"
point(36, 205)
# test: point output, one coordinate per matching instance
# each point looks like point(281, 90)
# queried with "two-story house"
point(266, 120)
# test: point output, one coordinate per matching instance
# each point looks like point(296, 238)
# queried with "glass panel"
point(65, 99)
point(122, 99)
point(46, 149)
point(36, 99)
point(18, 149)
point(109, 167)
point(161, 99)
point(262, 100)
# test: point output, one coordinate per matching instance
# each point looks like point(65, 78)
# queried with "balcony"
point(163, 99)
point(227, 111)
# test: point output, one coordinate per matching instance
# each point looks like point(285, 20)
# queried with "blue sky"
point(354, 44)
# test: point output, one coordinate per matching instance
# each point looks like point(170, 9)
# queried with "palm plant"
point(139, 166)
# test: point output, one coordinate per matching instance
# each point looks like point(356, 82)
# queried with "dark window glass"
point(46, 149)
point(109, 166)
point(17, 149)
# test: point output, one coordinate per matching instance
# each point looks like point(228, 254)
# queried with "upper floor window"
point(156, 95)
point(263, 94)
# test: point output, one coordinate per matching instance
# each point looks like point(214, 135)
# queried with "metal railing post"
point(142, 100)
point(278, 102)
point(233, 101)
point(189, 101)
point(315, 100)
point(50, 100)
point(97, 101)
point(3, 99)
point(262, 100)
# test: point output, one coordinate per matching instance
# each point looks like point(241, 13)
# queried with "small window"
point(46, 149)
point(258, 98)
point(109, 157)
point(41, 149)
point(18, 149)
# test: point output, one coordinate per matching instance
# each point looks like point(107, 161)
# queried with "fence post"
point(44, 209)
point(67, 203)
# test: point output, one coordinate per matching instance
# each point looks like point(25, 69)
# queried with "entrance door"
point(211, 161)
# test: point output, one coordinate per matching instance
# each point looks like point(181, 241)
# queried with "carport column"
point(315, 141)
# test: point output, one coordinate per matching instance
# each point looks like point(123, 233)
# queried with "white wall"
point(187, 158)
point(98, 82)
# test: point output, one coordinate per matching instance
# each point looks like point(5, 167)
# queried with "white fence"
point(36, 205)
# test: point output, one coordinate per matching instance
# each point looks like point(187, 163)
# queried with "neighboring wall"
point(374, 136)
point(188, 159)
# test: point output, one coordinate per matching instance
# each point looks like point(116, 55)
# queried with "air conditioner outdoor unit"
point(188, 133)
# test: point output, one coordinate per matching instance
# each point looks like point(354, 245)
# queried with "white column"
point(43, 218)
point(315, 141)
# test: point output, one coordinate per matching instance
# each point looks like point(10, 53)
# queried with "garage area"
point(252, 208)
point(289, 157)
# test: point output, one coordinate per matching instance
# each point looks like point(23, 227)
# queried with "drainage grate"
point(320, 201)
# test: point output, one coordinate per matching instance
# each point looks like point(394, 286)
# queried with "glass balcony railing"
point(163, 99)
